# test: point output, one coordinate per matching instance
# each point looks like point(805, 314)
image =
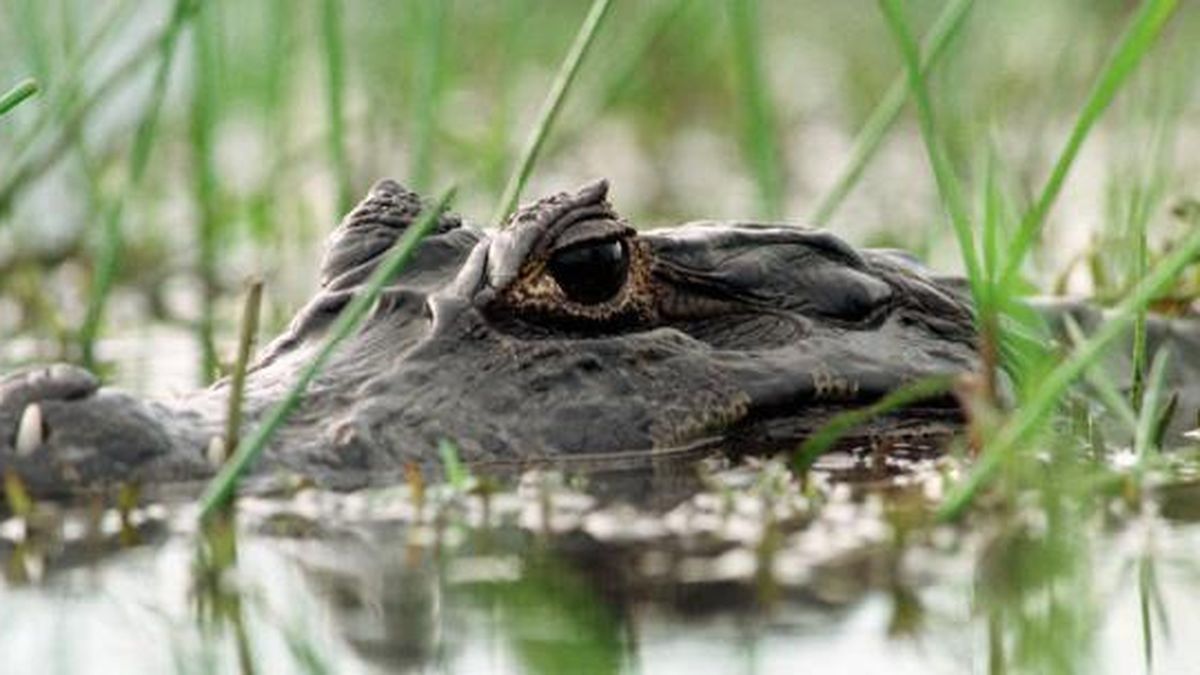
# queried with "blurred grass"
point(277, 111)
point(550, 107)
point(666, 107)
point(333, 49)
point(206, 38)
point(431, 16)
point(248, 329)
point(1148, 437)
point(69, 106)
point(1141, 35)
point(996, 294)
point(1029, 419)
point(109, 252)
point(221, 488)
point(948, 184)
point(884, 116)
point(695, 110)
point(761, 139)
point(67, 82)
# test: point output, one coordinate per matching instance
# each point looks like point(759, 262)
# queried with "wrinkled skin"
point(564, 333)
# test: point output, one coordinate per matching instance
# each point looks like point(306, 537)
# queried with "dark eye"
point(591, 273)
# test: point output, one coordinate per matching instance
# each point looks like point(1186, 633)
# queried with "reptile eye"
point(591, 273)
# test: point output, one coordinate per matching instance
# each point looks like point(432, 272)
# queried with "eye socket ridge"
point(591, 272)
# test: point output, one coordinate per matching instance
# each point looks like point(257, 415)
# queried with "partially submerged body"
point(565, 333)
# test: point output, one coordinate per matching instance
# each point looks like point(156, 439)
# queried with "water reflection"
point(735, 567)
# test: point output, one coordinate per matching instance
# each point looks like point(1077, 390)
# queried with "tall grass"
point(550, 108)
point(760, 136)
point(269, 215)
point(494, 151)
point(994, 293)
point(251, 310)
point(947, 26)
point(1137, 188)
point(1137, 40)
point(1148, 436)
point(68, 104)
point(637, 45)
point(65, 88)
point(948, 184)
point(954, 201)
point(1139, 357)
point(1027, 420)
point(426, 99)
point(221, 489)
point(108, 257)
point(206, 39)
point(626, 65)
point(1037, 599)
point(333, 50)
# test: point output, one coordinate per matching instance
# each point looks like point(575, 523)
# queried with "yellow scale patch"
point(828, 386)
point(711, 411)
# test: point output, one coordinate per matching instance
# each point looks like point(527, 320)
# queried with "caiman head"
point(566, 333)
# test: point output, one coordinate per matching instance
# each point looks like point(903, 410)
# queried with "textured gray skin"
point(737, 331)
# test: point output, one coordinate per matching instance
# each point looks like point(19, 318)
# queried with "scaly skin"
point(563, 332)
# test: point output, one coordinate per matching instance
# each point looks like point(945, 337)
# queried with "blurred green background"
point(176, 148)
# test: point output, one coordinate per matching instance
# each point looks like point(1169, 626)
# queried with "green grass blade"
point(550, 108)
point(221, 488)
point(877, 126)
point(997, 208)
point(627, 66)
point(948, 184)
point(1150, 407)
point(1101, 383)
point(1147, 589)
point(761, 137)
point(428, 90)
point(112, 243)
point(65, 90)
point(1141, 35)
point(73, 108)
point(335, 91)
point(18, 94)
point(496, 150)
point(635, 49)
point(839, 425)
point(251, 311)
point(38, 38)
point(457, 474)
point(147, 131)
point(205, 106)
point(1030, 417)
point(1140, 354)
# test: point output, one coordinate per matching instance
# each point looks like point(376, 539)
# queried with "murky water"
point(691, 566)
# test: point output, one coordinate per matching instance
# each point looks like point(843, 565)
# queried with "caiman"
point(564, 333)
